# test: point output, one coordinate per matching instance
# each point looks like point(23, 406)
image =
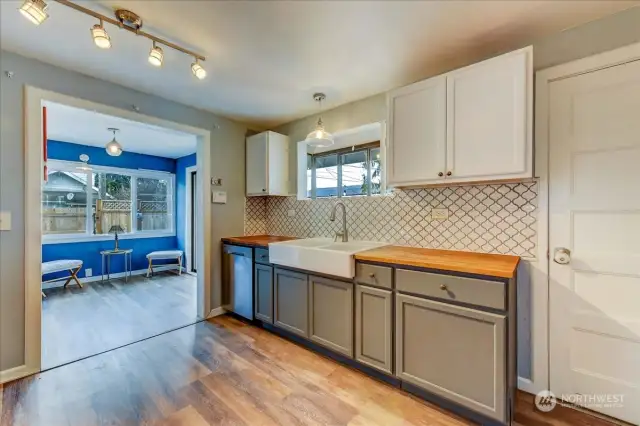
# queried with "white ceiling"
point(80, 126)
point(265, 59)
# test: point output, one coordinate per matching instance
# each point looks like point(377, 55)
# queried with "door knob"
point(562, 255)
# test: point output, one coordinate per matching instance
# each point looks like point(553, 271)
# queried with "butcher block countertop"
point(257, 240)
point(495, 265)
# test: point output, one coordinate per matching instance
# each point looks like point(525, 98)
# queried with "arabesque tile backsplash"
point(486, 218)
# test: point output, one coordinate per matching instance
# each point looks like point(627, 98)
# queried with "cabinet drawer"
point(491, 294)
point(379, 276)
point(262, 255)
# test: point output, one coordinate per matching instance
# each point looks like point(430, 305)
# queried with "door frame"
point(540, 322)
point(34, 97)
point(189, 213)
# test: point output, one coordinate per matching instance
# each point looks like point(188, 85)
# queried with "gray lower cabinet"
point(290, 308)
point(374, 327)
point(263, 275)
point(331, 314)
point(455, 352)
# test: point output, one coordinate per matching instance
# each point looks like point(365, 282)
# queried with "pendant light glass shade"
point(319, 138)
point(113, 148)
point(100, 36)
point(156, 56)
point(34, 10)
point(197, 70)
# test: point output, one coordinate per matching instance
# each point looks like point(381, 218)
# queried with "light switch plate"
point(5, 221)
point(219, 197)
point(439, 214)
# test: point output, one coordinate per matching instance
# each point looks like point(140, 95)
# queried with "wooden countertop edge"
point(260, 241)
point(478, 269)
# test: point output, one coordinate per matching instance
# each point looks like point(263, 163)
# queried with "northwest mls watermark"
point(547, 400)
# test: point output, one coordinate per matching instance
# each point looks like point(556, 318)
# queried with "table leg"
point(126, 277)
point(108, 267)
point(102, 270)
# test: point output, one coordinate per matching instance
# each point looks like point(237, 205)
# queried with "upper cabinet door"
point(257, 163)
point(417, 127)
point(489, 119)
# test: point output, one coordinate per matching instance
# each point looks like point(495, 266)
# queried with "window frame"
point(87, 236)
point(367, 148)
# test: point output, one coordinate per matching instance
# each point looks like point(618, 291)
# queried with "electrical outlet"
point(291, 213)
point(439, 214)
point(88, 272)
point(5, 221)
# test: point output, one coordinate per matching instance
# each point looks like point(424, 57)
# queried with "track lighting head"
point(34, 10)
point(100, 36)
point(156, 55)
point(197, 70)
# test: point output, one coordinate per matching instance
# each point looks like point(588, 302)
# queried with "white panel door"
point(257, 160)
point(594, 167)
point(417, 126)
point(489, 119)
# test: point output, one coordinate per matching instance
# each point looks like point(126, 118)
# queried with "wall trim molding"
point(15, 373)
point(541, 354)
point(187, 210)
point(32, 115)
point(115, 275)
point(216, 312)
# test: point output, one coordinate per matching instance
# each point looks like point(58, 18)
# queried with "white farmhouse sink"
point(320, 255)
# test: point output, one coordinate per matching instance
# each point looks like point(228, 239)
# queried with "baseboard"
point(217, 312)
point(116, 275)
point(16, 373)
point(528, 386)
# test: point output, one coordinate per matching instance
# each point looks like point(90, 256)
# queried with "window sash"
point(340, 156)
point(88, 235)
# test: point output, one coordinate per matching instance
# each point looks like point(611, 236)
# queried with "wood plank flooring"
point(221, 372)
point(80, 322)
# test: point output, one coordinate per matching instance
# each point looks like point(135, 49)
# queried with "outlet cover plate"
point(439, 214)
point(88, 272)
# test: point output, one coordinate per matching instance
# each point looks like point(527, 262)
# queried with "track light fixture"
point(100, 36)
point(34, 10)
point(197, 70)
point(156, 55)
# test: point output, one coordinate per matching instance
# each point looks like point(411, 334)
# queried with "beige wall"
point(227, 161)
point(589, 39)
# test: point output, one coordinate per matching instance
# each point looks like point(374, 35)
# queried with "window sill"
point(83, 238)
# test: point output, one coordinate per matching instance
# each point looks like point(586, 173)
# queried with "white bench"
point(165, 255)
point(71, 265)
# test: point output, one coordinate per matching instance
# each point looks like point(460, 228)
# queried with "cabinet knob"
point(372, 275)
point(443, 287)
point(440, 174)
point(448, 173)
point(264, 190)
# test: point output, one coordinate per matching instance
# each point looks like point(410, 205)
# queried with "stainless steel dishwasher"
point(238, 279)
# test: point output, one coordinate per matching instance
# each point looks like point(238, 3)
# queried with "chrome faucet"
point(344, 234)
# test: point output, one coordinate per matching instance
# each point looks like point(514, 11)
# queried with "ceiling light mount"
point(129, 18)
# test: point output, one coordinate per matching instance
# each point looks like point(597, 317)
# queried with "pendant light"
point(319, 138)
point(156, 55)
point(34, 10)
point(100, 36)
point(113, 148)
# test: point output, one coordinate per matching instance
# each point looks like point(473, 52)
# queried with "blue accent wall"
point(181, 199)
point(57, 150)
point(89, 252)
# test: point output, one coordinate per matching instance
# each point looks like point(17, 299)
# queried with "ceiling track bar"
point(130, 29)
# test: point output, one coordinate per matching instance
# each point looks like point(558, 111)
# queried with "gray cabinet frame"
point(376, 337)
point(263, 288)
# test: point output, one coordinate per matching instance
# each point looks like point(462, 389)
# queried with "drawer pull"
point(372, 275)
point(443, 287)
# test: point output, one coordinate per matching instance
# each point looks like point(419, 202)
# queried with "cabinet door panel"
point(291, 311)
point(489, 116)
point(417, 125)
point(331, 314)
point(374, 322)
point(264, 292)
point(455, 352)
point(257, 158)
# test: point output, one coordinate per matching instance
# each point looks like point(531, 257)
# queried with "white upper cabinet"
point(267, 164)
point(417, 130)
point(473, 125)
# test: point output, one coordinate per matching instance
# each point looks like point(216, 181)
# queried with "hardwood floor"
point(80, 322)
point(220, 372)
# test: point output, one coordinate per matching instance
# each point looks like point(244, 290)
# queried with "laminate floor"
point(221, 372)
point(80, 322)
